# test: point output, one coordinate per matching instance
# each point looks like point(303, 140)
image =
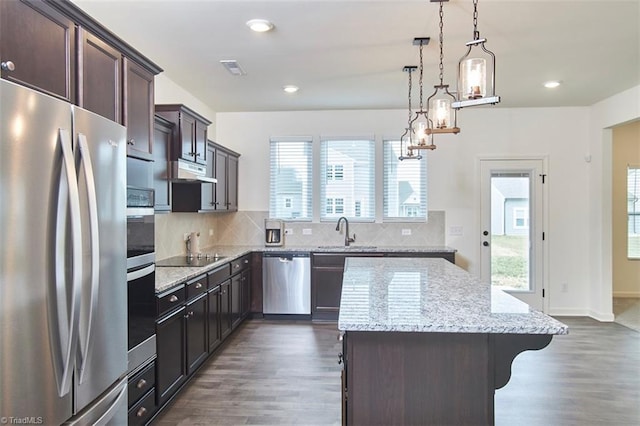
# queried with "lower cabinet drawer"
point(140, 413)
point(141, 383)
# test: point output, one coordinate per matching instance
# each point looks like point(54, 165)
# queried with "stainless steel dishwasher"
point(286, 283)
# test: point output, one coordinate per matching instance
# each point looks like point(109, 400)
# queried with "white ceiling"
point(349, 54)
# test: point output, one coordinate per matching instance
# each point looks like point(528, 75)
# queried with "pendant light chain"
point(441, 43)
point(476, 33)
point(421, 68)
point(410, 71)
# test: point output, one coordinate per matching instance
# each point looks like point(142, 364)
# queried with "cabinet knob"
point(141, 383)
point(246, 261)
point(199, 285)
point(8, 66)
point(141, 412)
point(173, 298)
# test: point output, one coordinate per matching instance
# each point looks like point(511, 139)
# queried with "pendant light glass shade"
point(476, 71)
point(407, 138)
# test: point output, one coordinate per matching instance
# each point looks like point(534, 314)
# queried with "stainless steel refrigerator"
point(63, 306)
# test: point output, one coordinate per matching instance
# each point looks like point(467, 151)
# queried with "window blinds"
point(290, 179)
point(405, 185)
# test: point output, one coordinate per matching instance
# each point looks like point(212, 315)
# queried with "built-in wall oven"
point(141, 276)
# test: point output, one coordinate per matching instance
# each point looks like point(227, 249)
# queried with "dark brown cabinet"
point(38, 47)
point(197, 346)
point(138, 109)
point(213, 326)
point(54, 47)
point(196, 323)
point(189, 138)
point(225, 309)
point(236, 300)
point(171, 365)
point(142, 395)
point(222, 164)
point(255, 293)
point(99, 76)
point(226, 173)
point(161, 139)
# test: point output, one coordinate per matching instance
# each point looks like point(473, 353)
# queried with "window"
point(290, 179)
point(520, 218)
point(335, 172)
point(633, 212)
point(405, 185)
point(349, 179)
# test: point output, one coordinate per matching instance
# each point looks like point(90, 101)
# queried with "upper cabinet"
point(138, 109)
point(54, 47)
point(38, 47)
point(189, 132)
point(100, 76)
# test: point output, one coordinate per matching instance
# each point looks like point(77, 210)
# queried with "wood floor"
point(285, 373)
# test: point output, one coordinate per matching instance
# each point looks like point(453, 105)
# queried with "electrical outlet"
point(288, 231)
point(306, 231)
point(455, 231)
point(406, 232)
point(210, 232)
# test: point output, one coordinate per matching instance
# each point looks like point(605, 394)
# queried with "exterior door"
point(512, 231)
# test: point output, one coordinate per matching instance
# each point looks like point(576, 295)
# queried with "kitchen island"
point(425, 342)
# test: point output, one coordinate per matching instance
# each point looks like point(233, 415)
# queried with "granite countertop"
point(431, 295)
point(168, 277)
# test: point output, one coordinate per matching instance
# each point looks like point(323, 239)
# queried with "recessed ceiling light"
point(260, 25)
point(291, 89)
point(551, 84)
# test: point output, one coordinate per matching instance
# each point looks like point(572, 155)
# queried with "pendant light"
point(408, 136)
point(476, 73)
point(421, 124)
point(439, 109)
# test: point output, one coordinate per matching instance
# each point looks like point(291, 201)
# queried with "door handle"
point(94, 288)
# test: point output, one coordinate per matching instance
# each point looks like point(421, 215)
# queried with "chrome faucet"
point(347, 239)
point(188, 244)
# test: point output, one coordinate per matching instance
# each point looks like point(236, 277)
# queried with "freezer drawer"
point(286, 283)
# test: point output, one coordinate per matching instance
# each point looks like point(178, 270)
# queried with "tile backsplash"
point(247, 228)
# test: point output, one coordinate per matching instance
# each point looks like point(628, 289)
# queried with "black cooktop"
point(193, 261)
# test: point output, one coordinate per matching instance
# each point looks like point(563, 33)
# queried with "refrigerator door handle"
point(85, 341)
point(68, 197)
point(113, 409)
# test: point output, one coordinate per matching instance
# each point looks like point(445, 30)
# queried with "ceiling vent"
point(232, 66)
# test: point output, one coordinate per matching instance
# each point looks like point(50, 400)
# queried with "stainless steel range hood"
point(187, 171)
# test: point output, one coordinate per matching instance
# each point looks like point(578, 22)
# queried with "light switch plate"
point(455, 231)
point(406, 232)
point(306, 231)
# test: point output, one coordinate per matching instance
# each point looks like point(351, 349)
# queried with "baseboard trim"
point(601, 316)
point(568, 312)
point(626, 294)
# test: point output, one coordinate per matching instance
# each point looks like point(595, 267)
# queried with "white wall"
point(168, 92)
point(604, 115)
point(560, 134)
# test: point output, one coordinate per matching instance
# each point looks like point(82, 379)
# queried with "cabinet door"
point(236, 300)
point(197, 347)
point(200, 142)
point(225, 312)
point(138, 109)
point(213, 314)
point(221, 201)
point(246, 292)
point(187, 137)
point(99, 77)
point(41, 44)
point(170, 361)
point(232, 183)
point(326, 292)
point(208, 189)
point(162, 131)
